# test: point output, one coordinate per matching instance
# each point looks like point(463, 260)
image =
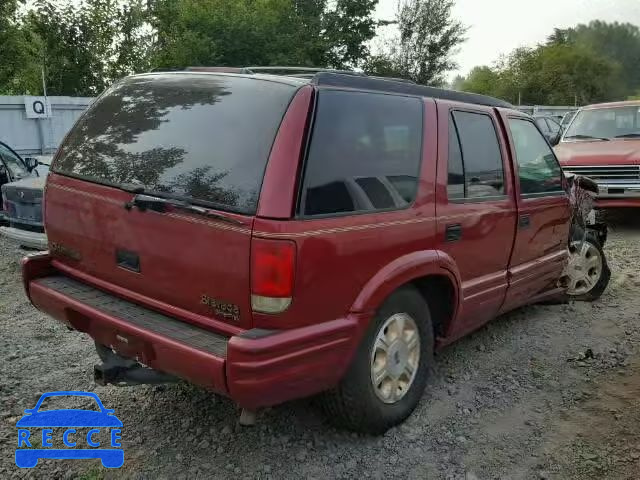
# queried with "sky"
point(497, 27)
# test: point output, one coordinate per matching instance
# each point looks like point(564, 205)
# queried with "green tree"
point(618, 42)
point(20, 71)
point(457, 82)
point(261, 32)
point(86, 46)
point(422, 51)
point(481, 80)
point(553, 74)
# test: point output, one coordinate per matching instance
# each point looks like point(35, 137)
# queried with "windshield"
point(203, 137)
point(605, 123)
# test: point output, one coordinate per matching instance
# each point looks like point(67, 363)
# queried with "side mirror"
point(555, 139)
point(31, 163)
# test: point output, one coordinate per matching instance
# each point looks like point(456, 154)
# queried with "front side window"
point(538, 169)
point(474, 155)
point(364, 153)
point(605, 124)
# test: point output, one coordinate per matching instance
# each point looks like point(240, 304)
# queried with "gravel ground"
point(546, 392)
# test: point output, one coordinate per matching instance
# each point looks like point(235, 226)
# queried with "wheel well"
point(438, 292)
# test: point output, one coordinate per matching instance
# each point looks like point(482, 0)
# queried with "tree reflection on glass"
point(203, 136)
point(106, 143)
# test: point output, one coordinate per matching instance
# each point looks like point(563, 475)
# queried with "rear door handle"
point(524, 221)
point(453, 232)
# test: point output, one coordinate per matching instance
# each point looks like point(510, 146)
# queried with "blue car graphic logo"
point(69, 419)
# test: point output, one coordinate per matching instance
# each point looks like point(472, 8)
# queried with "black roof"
point(395, 86)
point(358, 80)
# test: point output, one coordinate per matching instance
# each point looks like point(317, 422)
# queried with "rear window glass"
point(364, 154)
point(203, 137)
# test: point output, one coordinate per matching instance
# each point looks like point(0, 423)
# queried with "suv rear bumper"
point(256, 368)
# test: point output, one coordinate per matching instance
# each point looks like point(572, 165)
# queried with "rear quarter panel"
point(338, 256)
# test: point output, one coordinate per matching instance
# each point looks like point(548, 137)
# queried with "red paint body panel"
point(617, 203)
point(182, 256)
point(279, 189)
point(488, 229)
point(293, 364)
point(338, 256)
point(586, 153)
point(154, 350)
point(539, 251)
point(617, 152)
point(345, 266)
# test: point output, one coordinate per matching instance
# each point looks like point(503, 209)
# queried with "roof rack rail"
point(306, 72)
point(388, 85)
point(216, 69)
point(303, 70)
point(359, 80)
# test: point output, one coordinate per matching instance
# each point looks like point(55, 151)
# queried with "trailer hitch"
point(121, 371)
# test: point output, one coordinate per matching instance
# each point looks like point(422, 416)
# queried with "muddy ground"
point(546, 392)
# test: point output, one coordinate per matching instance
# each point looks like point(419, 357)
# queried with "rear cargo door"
point(153, 193)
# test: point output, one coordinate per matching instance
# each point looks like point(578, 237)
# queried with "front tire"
point(389, 372)
point(587, 274)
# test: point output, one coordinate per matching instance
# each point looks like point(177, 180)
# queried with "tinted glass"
point(364, 154)
point(200, 136)
point(455, 186)
point(12, 161)
point(614, 122)
point(554, 127)
point(538, 168)
point(542, 124)
point(484, 175)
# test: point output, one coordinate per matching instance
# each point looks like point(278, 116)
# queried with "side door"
point(475, 209)
point(540, 249)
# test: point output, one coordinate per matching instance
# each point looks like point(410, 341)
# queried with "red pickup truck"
point(603, 143)
point(271, 237)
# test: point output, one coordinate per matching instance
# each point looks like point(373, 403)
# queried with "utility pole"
point(47, 109)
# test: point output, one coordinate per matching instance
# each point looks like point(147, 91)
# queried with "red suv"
point(273, 237)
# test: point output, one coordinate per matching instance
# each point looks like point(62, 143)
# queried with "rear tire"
point(398, 349)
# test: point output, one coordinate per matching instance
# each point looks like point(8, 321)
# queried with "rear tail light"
point(272, 275)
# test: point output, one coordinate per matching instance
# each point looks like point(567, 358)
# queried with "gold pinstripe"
point(217, 225)
point(327, 231)
point(84, 194)
point(308, 233)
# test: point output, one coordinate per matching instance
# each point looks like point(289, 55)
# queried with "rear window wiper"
point(148, 202)
point(629, 135)
point(587, 137)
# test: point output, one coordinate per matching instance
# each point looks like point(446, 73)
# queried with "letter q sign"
point(37, 107)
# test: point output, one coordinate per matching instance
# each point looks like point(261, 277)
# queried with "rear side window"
point(538, 169)
point(202, 137)
point(364, 153)
point(481, 166)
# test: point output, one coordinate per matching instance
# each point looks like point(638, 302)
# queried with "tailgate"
point(181, 260)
